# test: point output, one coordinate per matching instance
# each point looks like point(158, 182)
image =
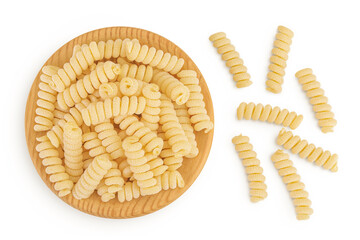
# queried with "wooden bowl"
point(190, 169)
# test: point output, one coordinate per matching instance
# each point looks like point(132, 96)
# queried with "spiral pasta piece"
point(100, 111)
point(108, 90)
point(110, 139)
point(170, 124)
point(155, 58)
point(320, 104)
point(47, 72)
point(73, 151)
point(54, 166)
point(293, 184)
point(170, 180)
point(252, 167)
point(93, 144)
point(232, 58)
point(196, 105)
point(184, 120)
point(91, 177)
point(172, 160)
point(125, 170)
point(275, 77)
point(150, 116)
point(129, 192)
point(157, 166)
point(308, 151)
point(128, 86)
point(272, 115)
point(172, 87)
point(82, 88)
point(45, 108)
point(111, 183)
point(138, 165)
point(148, 139)
point(142, 72)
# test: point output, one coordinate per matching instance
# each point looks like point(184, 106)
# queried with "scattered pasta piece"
point(320, 104)
point(232, 58)
point(293, 184)
point(150, 116)
point(272, 115)
point(278, 59)
point(307, 151)
point(252, 167)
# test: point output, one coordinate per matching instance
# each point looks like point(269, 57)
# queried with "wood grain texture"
point(190, 169)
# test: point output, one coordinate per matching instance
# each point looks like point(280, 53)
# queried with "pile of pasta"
point(118, 119)
point(284, 117)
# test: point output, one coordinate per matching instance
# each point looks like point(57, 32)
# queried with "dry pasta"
point(170, 180)
point(196, 105)
point(308, 151)
point(155, 58)
point(232, 58)
point(53, 166)
point(73, 151)
point(320, 104)
point(172, 160)
point(150, 116)
point(128, 86)
point(293, 184)
point(278, 59)
point(110, 139)
point(252, 167)
point(172, 87)
point(267, 113)
point(142, 72)
point(108, 90)
point(129, 192)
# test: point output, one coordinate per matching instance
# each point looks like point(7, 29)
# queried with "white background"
point(327, 39)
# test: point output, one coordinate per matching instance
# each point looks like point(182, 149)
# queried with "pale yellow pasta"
point(320, 104)
point(157, 166)
point(45, 108)
point(53, 164)
point(93, 144)
point(108, 90)
point(110, 139)
point(129, 192)
point(91, 177)
point(141, 72)
point(184, 120)
point(125, 170)
point(307, 151)
point(138, 165)
point(128, 86)
point(170, 180)
point(196, 105)
point(148, 139)
point(252, 167)
point(82, 88)
point(272, 115)
point(150, 116)
point(155, 58)
point(232, 58)
point(171, 160)
point(278, 59)
point(73, 151)
point(98, 112)
point(171, 87)
point(174, 133)
point(47, 72)
point(293, 184)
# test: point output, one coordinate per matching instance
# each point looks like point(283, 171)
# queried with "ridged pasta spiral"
point(108, 90)
point(47, 72)
point(91, 177)
point(252, 167)
point(148, 139)
point(93, 144)
point(128, 86)
point(111, 183)
point(125, 169)
point(320, 104)
point(170, 124)
point(171, 159)
point(54, 166)
point(196, 105)
point(232, 58)
point(308, 151)
point(171, 87)
point(142, 72)
point(278, 59)
point(170, 180)
point(45, 108)
point(129, 192)
point(184, 120)
point(82, 88)
point(73, 151)
point(156, 164)
point(138, 165)
point(293, 184)
point(110, 139)
point(269, 114)
point(150, 116)
point(100, 111)
point(153, 57)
